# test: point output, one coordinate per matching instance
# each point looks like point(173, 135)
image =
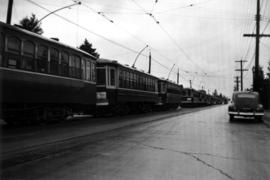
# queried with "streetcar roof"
point(114, 62)
point(43, 38)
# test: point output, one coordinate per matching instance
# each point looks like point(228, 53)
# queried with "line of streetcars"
point(44, 80)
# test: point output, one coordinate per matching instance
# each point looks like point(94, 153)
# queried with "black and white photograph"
point(135, 89)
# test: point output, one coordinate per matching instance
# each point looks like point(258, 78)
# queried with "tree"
point(215, 93)
point(87, 47)
point(31, 24)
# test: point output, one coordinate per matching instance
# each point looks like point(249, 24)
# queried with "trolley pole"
point(257, 48)
point(241, 72)
point(9, 12)
point(178, 76)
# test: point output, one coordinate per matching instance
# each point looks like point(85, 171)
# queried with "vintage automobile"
point(246, 104)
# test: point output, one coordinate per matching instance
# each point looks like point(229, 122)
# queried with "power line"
point(135, 37)
point(170, 37)
point(92, 32)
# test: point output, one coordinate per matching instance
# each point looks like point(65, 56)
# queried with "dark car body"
point(246, 104)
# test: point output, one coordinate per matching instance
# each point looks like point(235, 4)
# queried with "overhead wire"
point(168, 34)
point(140, 40)
point(135, 37)
point(92, 32)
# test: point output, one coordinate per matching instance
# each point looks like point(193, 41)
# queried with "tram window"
point(14, 45)
point(148, 84)
point(101, 74)
point(83, 69)
point(88, 77)
point(134, 80)
point(128, 79)
point(124, 79)
point(121, 78)
point(54, 61)
point(72, 66)
point(93, 71)
point(64, 63)
point(78, 67)
point(112, 77)
point(42, 58)
point(28, 55)
point(28, 48)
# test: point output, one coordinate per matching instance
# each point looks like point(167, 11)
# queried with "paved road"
point(198, 145)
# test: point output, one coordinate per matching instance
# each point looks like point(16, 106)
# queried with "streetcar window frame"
point(93, 71)
point(64, 63)
point(83, 67)
point(13, 49)
point(12, 46)
point(54, 61)
point(88, 70)
point(42, 58)
point(78, 67)
point(121, 78)
point(28, 58)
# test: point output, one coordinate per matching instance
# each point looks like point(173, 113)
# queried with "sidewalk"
point(266, 117)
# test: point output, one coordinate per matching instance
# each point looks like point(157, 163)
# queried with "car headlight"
point(101, 95)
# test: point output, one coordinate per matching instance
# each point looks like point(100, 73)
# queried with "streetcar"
point(43, 79)
point(122, 89)
point(170, 94)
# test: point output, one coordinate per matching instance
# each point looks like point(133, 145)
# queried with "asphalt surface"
point(186, 144)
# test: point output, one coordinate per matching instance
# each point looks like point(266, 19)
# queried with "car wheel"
point(231, 118)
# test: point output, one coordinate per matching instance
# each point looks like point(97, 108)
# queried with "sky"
point(201, 38)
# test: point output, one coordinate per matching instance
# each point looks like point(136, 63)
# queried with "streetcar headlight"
point(101, 95)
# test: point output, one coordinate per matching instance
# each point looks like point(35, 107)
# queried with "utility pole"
point(190, 84)
point(237, 82)
point(241, 72)
point(9, 12)
point(178, 76)
point(149, 70)
point(257, 48)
